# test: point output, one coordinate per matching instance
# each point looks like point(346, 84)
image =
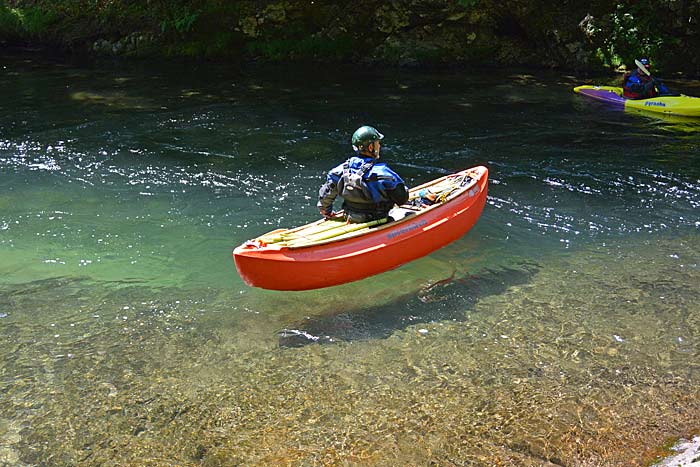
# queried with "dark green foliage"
point(633, 33)
point(563, 33)
point(468, 4)
point(306, 48)
point(31, 22)
point(181, 20)
point(663, 31)
point(10, 25)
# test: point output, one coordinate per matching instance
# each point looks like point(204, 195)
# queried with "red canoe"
point(332, 252)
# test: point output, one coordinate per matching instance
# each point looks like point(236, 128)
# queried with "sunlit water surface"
point(564, 328)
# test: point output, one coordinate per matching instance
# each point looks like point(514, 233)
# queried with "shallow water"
point(564, 328)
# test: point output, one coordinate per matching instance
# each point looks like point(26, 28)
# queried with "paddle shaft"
point(642, 67)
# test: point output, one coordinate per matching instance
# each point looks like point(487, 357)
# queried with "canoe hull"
point(669, 105)
point(386, 247)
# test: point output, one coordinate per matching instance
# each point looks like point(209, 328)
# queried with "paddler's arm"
point(399, 195)
point(326, 196)
point(391, 184)
point(633, 84)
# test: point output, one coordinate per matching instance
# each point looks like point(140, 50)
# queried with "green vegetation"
point(281, 49)
point(31, 22)
point(633, 32)
point(566, 34)
point(181, 21)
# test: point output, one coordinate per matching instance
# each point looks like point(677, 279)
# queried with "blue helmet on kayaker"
point(643, 65)
point(364, 137)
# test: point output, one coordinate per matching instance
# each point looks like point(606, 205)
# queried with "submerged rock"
point(688, 454)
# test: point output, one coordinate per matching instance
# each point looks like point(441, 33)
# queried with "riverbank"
point(404, 33)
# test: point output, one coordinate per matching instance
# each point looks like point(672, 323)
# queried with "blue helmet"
point(643, 64)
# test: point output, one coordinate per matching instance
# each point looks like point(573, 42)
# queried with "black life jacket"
point(352, 186)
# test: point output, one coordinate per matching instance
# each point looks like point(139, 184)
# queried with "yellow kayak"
point(670, 105)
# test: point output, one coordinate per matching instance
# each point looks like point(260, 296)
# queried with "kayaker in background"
point(639, 84)
point(369, 188)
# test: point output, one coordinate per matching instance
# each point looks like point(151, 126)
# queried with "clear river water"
point(564, 329)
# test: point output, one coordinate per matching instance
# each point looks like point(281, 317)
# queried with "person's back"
point(369, 188)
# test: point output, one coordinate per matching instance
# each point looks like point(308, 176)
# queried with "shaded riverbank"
point(406, 33)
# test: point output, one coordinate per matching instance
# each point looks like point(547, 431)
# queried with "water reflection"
point(448, 299)
point(116, 100)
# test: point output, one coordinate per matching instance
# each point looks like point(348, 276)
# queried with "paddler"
point(640, 84)
point(369, 188)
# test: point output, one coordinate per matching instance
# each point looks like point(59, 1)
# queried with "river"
point(564, 329)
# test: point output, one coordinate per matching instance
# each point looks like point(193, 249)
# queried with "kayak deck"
point(682, 105)
point(608, 94)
